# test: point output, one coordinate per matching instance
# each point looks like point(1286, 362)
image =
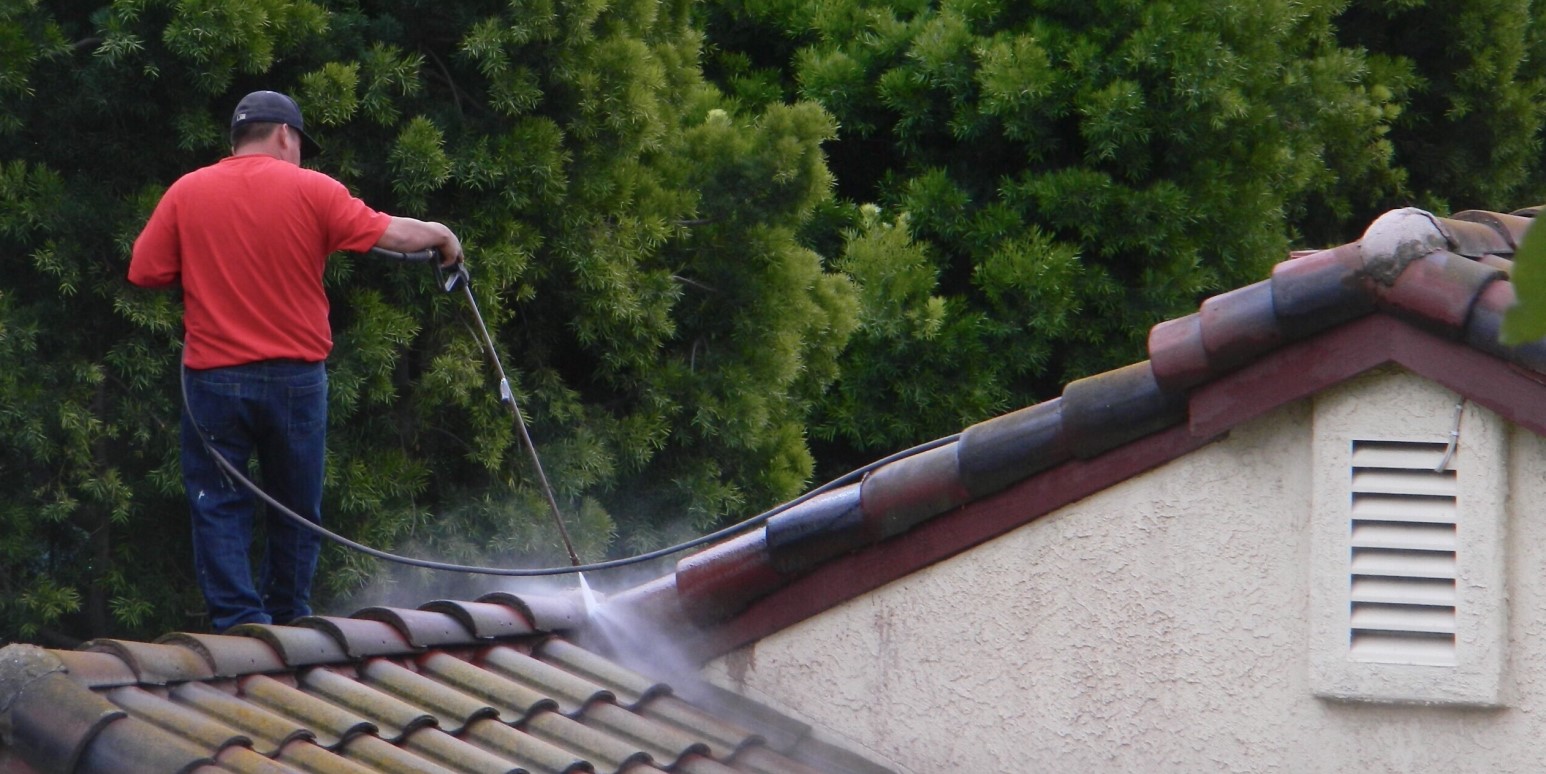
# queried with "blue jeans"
point(278, 410)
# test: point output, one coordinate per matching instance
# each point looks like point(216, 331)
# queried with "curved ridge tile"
point(722, 580)
point(1396, 239)
point(547, 612)
point(1438, 290)
point(486, 620)
point(816, 530)
point(1013, 447)
point(269, 732)
point(908, 491)
point(394, 718)
point(1177, 355)
point(1239, 326)
point(1473, 239)
point(1320, 290)
point(297, 646)
point(330, 723)
point(174, 718)
point(422, 628)
point(513, 700)
point(452, 709)
point(1511, 226)
point(1107, 410)
point(227, 655)
point(94, 670)
point(630, 687)
point(571, 692)
point(657, 601)
point(51, 719)
point(1482, 330)
point(360, 637)
point(155, 664)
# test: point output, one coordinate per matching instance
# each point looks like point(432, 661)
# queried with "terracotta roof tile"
point(96, 669)
point(360, 637)
point(129, 744)
point(486, 620)
point(1107, 410)
point(330, 724)
point(513, 700)
point(422, 628)
point(816, 530)
point(898, 496)
point(155, 664)
point(229, 656)
point(630, 688)
point(571, 692)
point(721, 580)
point(1000, 451)
point(269, 731)
point(178, 719)
point(297, 646)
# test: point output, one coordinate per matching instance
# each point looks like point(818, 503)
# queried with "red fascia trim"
point(1307, 367)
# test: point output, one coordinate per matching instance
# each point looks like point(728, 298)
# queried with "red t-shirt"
point(248, 238)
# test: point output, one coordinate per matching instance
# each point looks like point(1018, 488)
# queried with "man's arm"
point(407, 235)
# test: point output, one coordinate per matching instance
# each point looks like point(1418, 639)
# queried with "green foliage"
point(1069, 174)
point(1526, 320)
point(632, 238)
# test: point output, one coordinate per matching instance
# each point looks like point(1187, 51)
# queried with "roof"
point(478, 686)
point(1420, 291)
point(511, 682)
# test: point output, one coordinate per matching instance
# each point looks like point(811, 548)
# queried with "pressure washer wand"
point(450, 279)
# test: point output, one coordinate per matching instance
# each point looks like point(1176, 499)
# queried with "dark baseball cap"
point(275, 108)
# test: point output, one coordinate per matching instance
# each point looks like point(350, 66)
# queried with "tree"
point(631, 236)
point(1069, 174)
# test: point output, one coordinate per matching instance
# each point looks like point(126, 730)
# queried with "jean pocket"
point(308, 406)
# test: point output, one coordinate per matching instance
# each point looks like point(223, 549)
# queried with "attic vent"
point(1403, 544)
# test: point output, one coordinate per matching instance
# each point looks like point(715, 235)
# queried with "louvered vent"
point(1403, 554)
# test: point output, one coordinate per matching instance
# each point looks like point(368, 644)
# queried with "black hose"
point(460, 276)
point(733, 529)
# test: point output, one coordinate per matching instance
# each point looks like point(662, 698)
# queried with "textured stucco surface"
point(1160, 625)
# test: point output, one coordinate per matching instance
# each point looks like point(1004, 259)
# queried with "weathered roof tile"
point(155, 664)
point(513, 700)
point(1438, 290)
point(177, 718)
point(898, 496)
point(486, 620)
point(1238, 326)
point(998, 452)
point(1107, 410)
point(361, 637)
point(723, 579)
point(422, 628)
point(296, 646)
point(227, 655)
point(269, 731)
point(330, 724)
point(816, 530)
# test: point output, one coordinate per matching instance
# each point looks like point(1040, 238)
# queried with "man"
point(247, 238)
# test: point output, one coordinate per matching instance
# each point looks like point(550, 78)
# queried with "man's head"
point(261, 113)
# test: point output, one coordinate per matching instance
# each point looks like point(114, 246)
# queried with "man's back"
point(248, 238)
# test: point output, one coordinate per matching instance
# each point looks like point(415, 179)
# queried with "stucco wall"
point(1160, 625)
